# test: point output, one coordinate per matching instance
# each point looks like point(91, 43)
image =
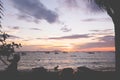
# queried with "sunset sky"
point(67, 25)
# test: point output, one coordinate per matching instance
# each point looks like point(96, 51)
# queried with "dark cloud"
point(65, 29)
point(35, 29)
point(35, 9)
point(106, 30)
point(69, 37)
point(14, 27)
point(106, 41)
point(96, 19)
point(103, 32)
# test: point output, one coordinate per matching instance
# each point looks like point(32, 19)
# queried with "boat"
point(47, 52)
point(56, 52)
point(65, 52)
point(23, 53)
point(91, 52)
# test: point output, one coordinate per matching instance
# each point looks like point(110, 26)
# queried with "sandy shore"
point(82, 73)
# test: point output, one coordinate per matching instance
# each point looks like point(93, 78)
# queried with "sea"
point(99, 61)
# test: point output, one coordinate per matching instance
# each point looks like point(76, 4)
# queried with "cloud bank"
point(105, 41)
point(35, 9)
point(76, 36)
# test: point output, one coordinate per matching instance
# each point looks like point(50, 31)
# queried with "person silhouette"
point(56, 68)
point(14, 63)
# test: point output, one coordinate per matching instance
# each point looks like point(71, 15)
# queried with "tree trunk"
point(115, 15)
point(117, 46)
point(116, 20)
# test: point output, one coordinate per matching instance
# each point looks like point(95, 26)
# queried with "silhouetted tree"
point(6, 49)
point(113, 9)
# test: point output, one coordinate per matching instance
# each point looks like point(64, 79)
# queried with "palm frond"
point(101, 4)
point(1, 11)
point(1, 5)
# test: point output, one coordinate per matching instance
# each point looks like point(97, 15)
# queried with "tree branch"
point(3, 61)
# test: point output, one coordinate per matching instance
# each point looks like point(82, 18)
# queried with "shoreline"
point(102, 69)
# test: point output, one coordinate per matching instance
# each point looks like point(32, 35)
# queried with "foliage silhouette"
point(7, 49)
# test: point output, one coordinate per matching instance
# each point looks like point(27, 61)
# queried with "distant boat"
point(56, 53)
point(23, 53)
point(91, 52)
point(47, 52)
point(65, 52)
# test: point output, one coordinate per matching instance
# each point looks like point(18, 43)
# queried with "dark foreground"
point(82, 73)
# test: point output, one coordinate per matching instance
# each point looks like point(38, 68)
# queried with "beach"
point(82, 73)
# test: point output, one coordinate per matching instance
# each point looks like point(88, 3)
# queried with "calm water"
point(97, 61)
